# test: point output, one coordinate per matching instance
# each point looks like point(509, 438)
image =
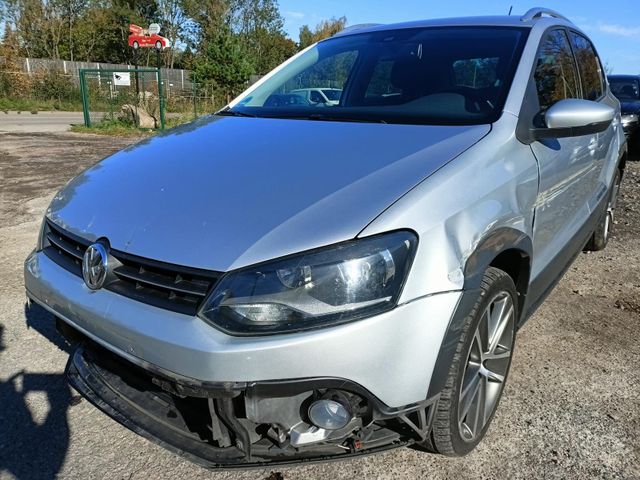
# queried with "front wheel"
point(136, 45)
point(479, 370)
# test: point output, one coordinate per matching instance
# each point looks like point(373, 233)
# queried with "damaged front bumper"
point(221, 426)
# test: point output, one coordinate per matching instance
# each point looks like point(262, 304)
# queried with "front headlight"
point(319, 288)
point(627, 119)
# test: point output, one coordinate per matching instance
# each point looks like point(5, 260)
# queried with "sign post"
point(160, 91)
point(149, 38)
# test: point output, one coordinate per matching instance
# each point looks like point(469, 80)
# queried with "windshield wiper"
point(232, 113)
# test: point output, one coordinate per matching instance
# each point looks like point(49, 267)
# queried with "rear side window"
point(556, 75)
point(590, 70)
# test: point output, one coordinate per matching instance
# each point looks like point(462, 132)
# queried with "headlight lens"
point(629, 118)
point(319, 288)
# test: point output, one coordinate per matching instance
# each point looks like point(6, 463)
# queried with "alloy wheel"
point(611, 208)
point(487, 366)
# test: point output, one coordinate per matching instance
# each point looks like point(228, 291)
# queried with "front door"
point(565, 164)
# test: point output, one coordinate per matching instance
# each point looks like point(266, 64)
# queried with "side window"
point(590, 70)
point(476, 72)
point(556, 75)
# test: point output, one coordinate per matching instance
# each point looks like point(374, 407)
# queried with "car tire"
point(158, 45)
point(601, 235)
point(474, 366)
point(136, 45)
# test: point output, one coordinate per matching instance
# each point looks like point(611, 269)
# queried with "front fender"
point(467, 212)
point(489, 248)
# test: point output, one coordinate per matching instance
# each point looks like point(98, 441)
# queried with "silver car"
point(247, 293)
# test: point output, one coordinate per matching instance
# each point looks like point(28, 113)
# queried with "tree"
point(223, 65)
point(256, 25)
point(174, 21)
point(13, 83)
point(223, 41)
point(608, 69)
point(325, 29)
point(260, 27)
point(205, 19)
point(306, 37)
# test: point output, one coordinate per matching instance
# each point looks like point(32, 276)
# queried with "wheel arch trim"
point(491, 246)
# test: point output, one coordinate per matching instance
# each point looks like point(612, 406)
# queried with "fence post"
point(85, 100)
point(195, 106)
point(160, 93)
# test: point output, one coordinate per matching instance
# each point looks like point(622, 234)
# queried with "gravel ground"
point(571, 408)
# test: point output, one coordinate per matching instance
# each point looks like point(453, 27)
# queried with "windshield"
point(437, 75)
point(625, 89)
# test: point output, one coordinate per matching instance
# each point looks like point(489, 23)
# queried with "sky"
point(614, 27)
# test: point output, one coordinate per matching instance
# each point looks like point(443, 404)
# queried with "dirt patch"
point(32, 165)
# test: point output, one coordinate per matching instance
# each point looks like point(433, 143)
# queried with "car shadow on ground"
point(44, 323)
point(34, 430)
point(634, 149)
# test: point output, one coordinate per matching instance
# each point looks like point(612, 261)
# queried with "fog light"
point(329, 414)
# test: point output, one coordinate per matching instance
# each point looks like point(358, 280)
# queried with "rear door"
point(565, 164)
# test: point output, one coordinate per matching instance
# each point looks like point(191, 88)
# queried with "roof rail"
point(360, 26)
point(539, 12)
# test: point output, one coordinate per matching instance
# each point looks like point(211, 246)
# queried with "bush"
point(43, 90)
point(53, 85)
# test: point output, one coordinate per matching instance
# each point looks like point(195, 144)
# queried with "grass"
point(114, 128)
point(119, 128)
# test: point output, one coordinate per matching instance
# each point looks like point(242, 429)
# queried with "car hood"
point(630, 106)
point(226, 192)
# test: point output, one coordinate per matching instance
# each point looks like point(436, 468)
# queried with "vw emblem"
point(94, 266)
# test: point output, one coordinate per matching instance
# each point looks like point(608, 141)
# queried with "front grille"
point(168, 286)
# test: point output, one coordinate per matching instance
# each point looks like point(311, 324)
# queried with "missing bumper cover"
point(215, 430)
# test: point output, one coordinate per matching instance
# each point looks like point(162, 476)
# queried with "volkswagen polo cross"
point(246, 292)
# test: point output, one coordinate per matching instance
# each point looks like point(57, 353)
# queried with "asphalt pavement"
point(41, 122)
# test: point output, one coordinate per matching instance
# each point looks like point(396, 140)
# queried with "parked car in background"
point(323, 96)
point(286, 100)
point(283, 282)
point(627, 89)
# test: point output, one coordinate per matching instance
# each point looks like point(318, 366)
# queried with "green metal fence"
point(106, 91)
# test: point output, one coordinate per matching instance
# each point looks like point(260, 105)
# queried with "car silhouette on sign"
point(147, 37)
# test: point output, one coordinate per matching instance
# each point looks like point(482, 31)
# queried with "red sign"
point(147, 37)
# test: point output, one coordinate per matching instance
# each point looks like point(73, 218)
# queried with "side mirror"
point(574, 118)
